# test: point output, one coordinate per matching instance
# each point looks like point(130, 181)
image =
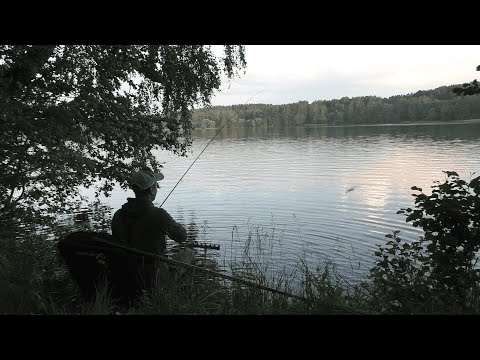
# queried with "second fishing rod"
point(214, 136)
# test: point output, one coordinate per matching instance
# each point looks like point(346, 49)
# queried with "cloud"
point(286, 74)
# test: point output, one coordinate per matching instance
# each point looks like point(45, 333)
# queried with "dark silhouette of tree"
point(74, 114)
point(468, 88)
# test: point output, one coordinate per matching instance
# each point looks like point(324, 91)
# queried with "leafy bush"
point(438, 272)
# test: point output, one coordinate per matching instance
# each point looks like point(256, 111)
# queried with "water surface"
point(311, 193)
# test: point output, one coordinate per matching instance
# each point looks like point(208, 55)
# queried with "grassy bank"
point(35, 280)
point(436, 274)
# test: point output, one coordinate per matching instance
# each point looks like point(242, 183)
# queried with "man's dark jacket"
point(144, 226)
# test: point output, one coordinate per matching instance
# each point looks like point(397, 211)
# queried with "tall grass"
point(35, 280)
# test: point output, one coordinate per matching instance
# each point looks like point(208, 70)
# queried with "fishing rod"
point(178, 182)
point(89, 249)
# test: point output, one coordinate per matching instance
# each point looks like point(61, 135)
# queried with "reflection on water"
point(316, 193)
point(434, 131)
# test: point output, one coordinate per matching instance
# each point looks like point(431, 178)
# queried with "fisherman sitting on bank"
point(142, 225)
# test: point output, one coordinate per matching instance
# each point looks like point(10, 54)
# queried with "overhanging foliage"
point(75, 114)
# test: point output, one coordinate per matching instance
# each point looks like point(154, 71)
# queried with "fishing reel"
point(196, 244)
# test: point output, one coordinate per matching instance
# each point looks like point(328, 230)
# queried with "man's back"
point(144, 226)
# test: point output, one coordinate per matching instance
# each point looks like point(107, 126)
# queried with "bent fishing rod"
point(214, 136)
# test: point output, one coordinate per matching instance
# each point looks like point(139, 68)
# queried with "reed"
point(34, 280)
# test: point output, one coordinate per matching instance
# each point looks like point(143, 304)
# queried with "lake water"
point(311, 193)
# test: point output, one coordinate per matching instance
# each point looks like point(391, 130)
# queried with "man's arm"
point(174, 230)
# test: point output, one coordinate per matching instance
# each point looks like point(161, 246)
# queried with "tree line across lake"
point(440, 104)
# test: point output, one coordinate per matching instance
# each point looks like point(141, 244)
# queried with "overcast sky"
point(284, 74)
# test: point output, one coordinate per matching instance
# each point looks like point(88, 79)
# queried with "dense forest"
point(440, 104)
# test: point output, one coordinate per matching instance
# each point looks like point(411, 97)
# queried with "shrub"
point(438, 272)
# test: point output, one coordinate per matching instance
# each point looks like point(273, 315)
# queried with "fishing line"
point(178, 182)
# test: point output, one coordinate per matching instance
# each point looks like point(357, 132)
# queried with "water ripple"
point(326, 195)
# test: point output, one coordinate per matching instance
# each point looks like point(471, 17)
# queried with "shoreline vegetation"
point(437, 105)
point(423, 123)
point(436, 274)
